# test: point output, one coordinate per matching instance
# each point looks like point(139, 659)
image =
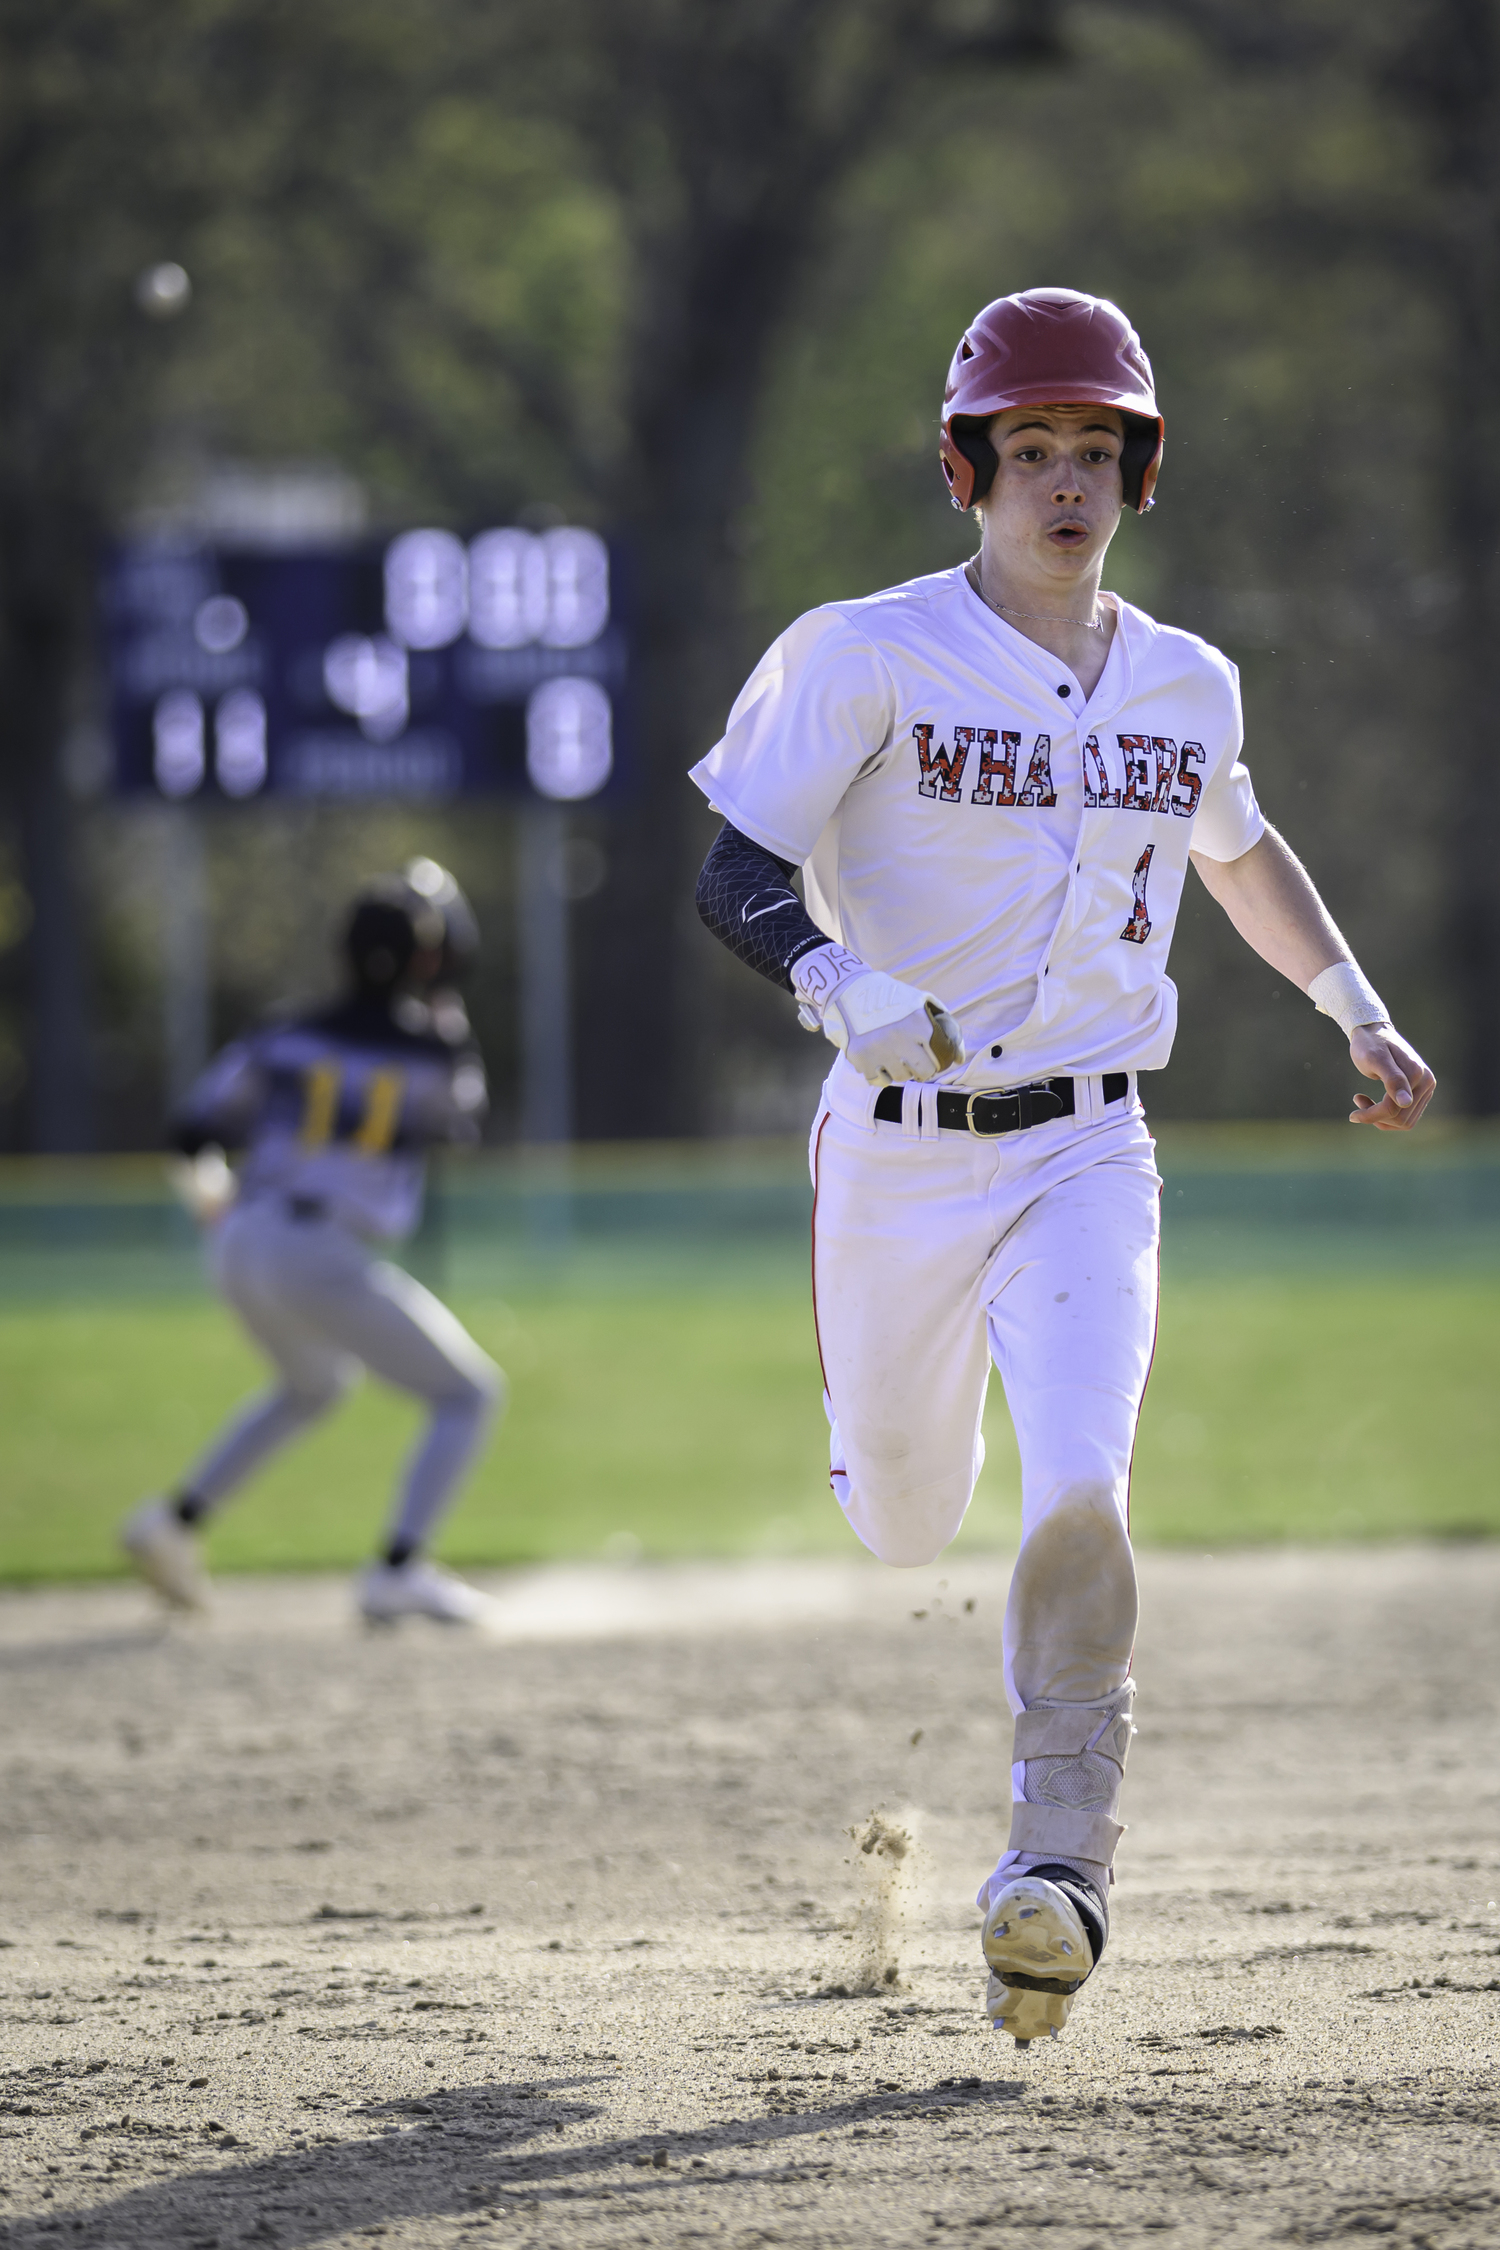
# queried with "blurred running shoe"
point(386, 1591)
point(165, 1552)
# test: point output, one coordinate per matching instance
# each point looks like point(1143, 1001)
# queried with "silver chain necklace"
point(1094, 624)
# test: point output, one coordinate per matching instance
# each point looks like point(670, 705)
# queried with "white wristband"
point(1349, 997)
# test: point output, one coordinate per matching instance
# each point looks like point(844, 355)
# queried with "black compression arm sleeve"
point(746, 900)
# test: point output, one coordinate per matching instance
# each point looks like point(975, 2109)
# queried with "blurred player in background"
point(335, 1112)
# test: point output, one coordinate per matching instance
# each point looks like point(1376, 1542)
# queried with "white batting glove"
point(890, 1031)
point(204, 1185)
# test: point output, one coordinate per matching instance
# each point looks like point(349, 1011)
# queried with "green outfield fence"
point(1243, 1196)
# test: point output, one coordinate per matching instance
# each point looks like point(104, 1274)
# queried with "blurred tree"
point(1428, 222)
point(93, 191)
point(1446, 76)
point(208, 210)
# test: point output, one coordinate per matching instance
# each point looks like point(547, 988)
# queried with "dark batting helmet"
point(395, 918)
point(1048, 347)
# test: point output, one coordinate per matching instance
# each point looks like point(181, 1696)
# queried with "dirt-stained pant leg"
point(1072, 1329)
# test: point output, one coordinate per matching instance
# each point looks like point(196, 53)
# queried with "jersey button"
point(1065, 691)
point(997, 1052)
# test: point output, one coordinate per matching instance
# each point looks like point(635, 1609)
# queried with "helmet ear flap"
point(969, 436)
point(1140, 452)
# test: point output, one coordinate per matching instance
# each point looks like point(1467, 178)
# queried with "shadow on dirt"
point(478, 2150)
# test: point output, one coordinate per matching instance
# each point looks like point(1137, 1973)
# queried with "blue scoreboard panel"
point(431, 668)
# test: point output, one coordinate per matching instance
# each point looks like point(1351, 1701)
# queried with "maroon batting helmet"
point(1048, 347)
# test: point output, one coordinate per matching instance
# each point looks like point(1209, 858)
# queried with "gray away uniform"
point(335, 1112)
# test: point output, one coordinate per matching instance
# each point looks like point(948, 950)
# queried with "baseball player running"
point(334, 1112)
point(993, 779)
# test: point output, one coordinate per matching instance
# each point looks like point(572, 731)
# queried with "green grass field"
point(686, 1417)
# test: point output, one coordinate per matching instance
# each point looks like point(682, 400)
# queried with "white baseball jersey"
point(967, 820)
point(340, 1108)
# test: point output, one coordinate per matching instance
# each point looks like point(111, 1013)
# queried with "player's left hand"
point(1379, 1051)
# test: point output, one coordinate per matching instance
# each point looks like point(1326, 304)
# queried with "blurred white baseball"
point(163, 291)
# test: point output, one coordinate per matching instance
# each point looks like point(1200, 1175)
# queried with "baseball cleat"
point(1042, 1936)
point(386, 1591)
point(165, 1552)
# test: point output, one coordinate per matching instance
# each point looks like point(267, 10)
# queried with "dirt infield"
point(313, 1936)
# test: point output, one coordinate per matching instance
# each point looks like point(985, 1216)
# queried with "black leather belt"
point(987, 1115)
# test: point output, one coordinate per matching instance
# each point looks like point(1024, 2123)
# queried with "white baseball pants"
point(934, 1253)
point(321, 1306)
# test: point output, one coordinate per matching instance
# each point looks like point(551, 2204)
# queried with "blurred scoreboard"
point(433, 668)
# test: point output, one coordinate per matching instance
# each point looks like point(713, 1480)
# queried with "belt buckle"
point(983, 1094)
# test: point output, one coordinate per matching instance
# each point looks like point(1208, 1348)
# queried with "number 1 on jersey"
point(1138, 928)
point(377, 1128)
point(320, 1107)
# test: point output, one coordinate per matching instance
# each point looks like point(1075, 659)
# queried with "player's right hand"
point(890, 1031)
point(204, 1185)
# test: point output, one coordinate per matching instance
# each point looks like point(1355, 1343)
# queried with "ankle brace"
point(1074, 1759)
